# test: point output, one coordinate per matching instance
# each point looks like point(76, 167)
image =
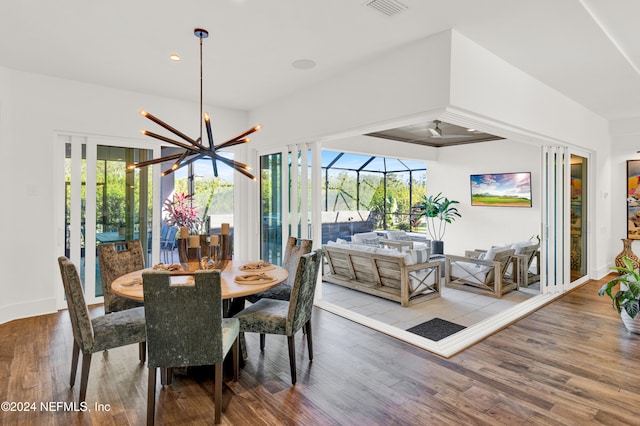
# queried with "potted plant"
point(627, 300)
point(438, 211)
point(181, 213)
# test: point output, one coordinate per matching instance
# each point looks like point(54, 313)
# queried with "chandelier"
point(194, 149)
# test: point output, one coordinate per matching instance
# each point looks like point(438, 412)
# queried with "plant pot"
point(437, 247)
point(632, 324)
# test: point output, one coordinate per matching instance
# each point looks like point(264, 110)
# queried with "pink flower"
point(181, 212)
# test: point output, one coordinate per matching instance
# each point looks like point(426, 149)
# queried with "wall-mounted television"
point(501, 189)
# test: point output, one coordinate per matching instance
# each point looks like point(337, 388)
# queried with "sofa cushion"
point(371, 241)
point(419, 255)
point(396, 235)
point(359, 238)
point(469, 271)
point(519, 247)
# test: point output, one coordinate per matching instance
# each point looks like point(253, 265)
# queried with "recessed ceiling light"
point(303, 64)
point(471, 130)
point(174, 57)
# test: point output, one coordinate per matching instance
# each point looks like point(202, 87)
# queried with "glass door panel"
point(578, 247)
point(104, 203)
point(271, 208)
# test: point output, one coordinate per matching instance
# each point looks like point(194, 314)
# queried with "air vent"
point(388, 7)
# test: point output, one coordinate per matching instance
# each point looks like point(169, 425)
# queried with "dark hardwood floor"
point(572, 362)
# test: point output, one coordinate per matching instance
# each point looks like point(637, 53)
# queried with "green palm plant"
point(628, 296)
point(438, 211)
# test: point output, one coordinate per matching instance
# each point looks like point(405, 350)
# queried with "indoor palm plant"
point(627, 300)
point(438, 211)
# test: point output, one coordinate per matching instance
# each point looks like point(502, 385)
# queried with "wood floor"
point(572, 362)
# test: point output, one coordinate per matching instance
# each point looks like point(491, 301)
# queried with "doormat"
point(436, 329)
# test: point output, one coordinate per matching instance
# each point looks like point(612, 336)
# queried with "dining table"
point(238, 279)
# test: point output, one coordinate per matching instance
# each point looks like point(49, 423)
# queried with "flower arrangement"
point(180, 212)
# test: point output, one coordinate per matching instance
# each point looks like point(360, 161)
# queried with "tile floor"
point(453, 305)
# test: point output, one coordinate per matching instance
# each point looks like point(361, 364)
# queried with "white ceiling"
point(587, 49)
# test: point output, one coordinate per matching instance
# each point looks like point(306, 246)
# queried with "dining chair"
point(185, 328)
point(114, 260)
point(272, 316)
point(295, 248)
point(92, 335)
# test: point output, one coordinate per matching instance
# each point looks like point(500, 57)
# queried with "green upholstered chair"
point(272, 316)
point(100, 333)
point(185, 328)
point(295, 248)
point(114, 260)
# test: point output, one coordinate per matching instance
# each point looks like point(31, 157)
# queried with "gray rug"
point(436, 329)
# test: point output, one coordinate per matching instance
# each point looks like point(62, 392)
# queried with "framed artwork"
point(501, 189)
point(633, 199)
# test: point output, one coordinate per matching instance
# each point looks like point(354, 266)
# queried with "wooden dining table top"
point(130, 285)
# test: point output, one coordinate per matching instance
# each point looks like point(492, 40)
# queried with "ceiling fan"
point(436, 132)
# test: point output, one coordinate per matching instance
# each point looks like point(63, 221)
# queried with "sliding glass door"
point(104, 202)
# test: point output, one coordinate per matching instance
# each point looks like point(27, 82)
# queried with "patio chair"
point(168, 243)
point(481, 272)
point(526, 272)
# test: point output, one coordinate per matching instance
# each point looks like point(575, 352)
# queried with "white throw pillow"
point(371, 241)
point(419, 255)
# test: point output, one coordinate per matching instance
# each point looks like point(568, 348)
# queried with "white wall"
point(32, 109)
point(626, 144)
point(406, 81)
point(482, 227)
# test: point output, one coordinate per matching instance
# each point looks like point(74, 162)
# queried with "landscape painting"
point(501, 189)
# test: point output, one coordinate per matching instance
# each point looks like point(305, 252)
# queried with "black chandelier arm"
point(178, 166)
point(242, 135)
point(169, 140)
point(154, 161)
point(207, 123)
point(212, 148)
point(242, 168)
point(166, 126)
point(231, 143)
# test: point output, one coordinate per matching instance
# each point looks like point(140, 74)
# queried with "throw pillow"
point(419, 255)
point(403, 238)
point(371, 241)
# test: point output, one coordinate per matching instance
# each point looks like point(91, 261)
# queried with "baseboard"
point(28, 309)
